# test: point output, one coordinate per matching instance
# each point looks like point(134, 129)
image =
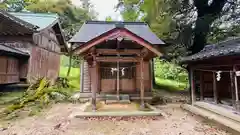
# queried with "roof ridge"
point(35, 14)
point(114, 22)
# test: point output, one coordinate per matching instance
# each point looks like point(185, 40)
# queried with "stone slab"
point(213, 116)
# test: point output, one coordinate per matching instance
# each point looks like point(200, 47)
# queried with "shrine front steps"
point(122, 98)
point(211, 114)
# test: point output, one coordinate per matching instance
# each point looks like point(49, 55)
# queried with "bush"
point(170, 71)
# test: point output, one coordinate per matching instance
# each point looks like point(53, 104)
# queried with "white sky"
point(104, 8)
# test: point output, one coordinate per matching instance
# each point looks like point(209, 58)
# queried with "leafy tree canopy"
point(187, 25)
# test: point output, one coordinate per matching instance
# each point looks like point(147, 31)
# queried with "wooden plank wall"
point(86, 78)
point(108, 84)
point(43, 64)
point(45, 57)
point(9, 70)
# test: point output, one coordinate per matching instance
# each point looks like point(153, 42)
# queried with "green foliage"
point(108, 18)
point(40, 93)
point(170, 71)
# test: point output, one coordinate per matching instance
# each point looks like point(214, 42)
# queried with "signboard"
point(237, 73)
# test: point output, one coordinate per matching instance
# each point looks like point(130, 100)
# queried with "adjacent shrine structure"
point(214, 75)
point(30, 46)
point(117, 58)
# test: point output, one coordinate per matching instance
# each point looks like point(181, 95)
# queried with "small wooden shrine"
point(214, 74)
point(117, 58)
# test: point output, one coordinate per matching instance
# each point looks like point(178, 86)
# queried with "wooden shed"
point(10, 59)
point(214, 74)
point(40, 37)
point(117, 58)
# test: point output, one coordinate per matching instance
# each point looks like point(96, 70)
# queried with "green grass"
point(170, 85)
point(74, 76)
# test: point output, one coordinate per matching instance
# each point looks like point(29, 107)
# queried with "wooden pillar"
point(193, 91)
point(142, 83)
point(237, 105)
point(201, 85)
point(215, 93)
point(94, 83)
point(151, 72)
point(232, 87)
point(118, 81)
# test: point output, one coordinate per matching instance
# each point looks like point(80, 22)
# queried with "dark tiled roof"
point(93, 29)
point(12, 50)
point(225, 48)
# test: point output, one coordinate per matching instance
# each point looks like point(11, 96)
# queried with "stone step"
point(114, 98)
point(233, 124)
point(231, 114)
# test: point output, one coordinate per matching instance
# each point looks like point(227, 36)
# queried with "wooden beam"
point(193, 91)
point(202, 85)
point(115, 59)
point(215, 92)
point(115, 52)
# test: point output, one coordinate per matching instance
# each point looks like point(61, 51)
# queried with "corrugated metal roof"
point(39, 19)
point(225, 48)
point(12, 50)
point(93, 29)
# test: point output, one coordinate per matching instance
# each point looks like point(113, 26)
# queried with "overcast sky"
point(104, 8)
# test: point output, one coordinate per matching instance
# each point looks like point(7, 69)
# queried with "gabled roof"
point(38, 19)
point(93, 29)
point(36, 22)
point(225, 48)
point(11, 50)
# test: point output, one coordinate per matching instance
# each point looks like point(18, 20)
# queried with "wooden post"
point(118, 81)
point(232, 87)
point(215, 93)
point(142, 84)
point(151, 72)
point(193, 91)
point(94, 83)
point(201, 85)
point(237, 105)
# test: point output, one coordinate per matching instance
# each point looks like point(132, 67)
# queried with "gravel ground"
point(57, 121)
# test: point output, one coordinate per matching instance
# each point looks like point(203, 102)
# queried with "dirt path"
point(56, 121)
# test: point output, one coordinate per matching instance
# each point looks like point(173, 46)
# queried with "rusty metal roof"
point(225, 48)
point(93, 29)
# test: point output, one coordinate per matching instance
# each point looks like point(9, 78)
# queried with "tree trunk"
point(69, 65)
point(206, 16)
point(201, 31)
point(70, 61)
